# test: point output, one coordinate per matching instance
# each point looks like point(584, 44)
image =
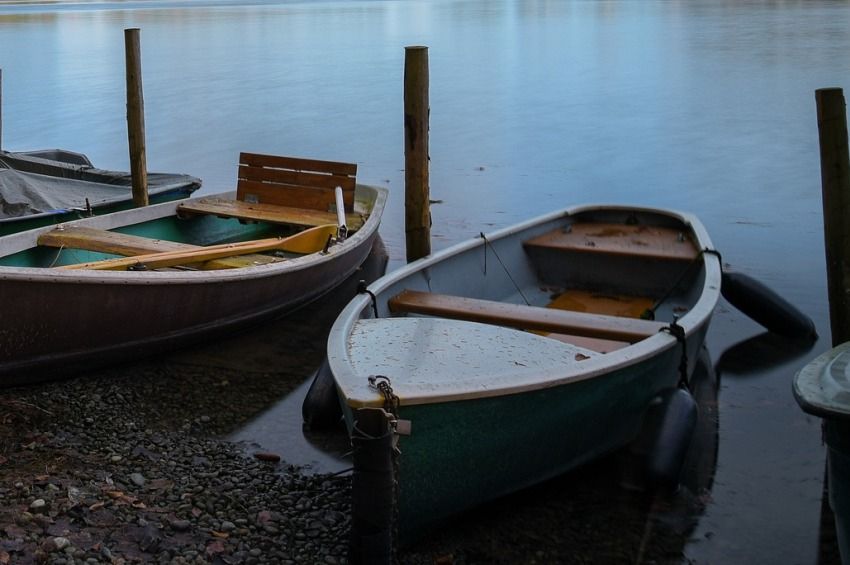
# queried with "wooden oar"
point(307, 241)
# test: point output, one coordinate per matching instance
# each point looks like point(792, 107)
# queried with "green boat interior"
point(276, 199)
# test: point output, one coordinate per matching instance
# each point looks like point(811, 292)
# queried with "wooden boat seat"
point(651, 242)
point(285, 190)
point(103, 241)
point(524, 317)
point(311, 240)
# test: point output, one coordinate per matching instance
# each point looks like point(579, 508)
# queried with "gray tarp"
point(43, 181)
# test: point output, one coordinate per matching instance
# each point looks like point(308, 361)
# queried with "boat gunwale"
point(375, 196)
point(691, 322)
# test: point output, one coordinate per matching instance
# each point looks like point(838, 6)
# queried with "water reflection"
point(760, 353)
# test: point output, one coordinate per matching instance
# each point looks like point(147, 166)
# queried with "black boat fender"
point(321, 409)
point(662, 444)
point(766, 307)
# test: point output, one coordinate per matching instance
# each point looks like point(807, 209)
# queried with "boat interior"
point(284, 207)
point(598, 282)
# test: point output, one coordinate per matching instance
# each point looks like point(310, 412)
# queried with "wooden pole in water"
point(835, 181)
point(417, 215)
point(136, 117)
point(1, 109)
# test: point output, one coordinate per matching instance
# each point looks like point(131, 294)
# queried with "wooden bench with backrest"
point(524, 317)
point(285, 190)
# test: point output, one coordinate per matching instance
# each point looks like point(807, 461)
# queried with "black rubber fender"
point(672, 422)
point(763, 305)
point(321, 409)
point(655, 459)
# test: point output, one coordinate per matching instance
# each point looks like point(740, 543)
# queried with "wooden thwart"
point(620, 239)
point(524, 317)
point(103, 241)
point(308, 241)
point(115, 243)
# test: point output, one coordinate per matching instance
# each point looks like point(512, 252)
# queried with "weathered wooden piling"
point(835, 185)
point(835, 181)
point(417, 215)
point(136, 117)
point(372, 489)
point(1, 108)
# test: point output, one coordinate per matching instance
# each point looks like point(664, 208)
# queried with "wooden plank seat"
point(524, 317)
point(619, 239)
point(115, 243)
point(272, 213)
point(285, 190)
point(311, 240)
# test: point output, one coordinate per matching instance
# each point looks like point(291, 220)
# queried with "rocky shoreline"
point(87, 476)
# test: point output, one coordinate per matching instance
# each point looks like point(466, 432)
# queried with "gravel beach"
point(110, 470)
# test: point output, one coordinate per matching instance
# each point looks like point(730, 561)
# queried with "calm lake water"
point(705, 106)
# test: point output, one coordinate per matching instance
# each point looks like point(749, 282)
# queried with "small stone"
point(38, 505)
point(227, 526)
point(266, 456)
point(115, 458)
point(180, 525)
point(61, 543)
point(137, 479)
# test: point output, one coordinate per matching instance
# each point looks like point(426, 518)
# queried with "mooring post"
point(417, 215)
point(136, 117)
point(835, 181)
point(372, 489)
point(1, 109)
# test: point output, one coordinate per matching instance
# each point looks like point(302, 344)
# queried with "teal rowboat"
point(40, 188)
point(519, 355)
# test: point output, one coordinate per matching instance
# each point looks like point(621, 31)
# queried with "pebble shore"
point(86, 476)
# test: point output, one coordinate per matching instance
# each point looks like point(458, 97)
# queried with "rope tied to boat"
point(383, 385)
point(504, 267)
point(649, 313)
point(677, 331)
point(363, 289)
point(715, 252)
